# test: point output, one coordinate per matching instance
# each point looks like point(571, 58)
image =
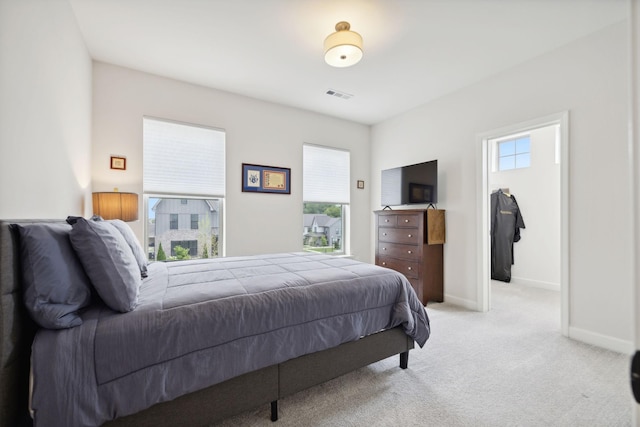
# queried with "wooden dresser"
point(411, 242)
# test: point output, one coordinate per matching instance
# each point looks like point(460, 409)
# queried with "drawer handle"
point(408, 268)
point(384, 263)
point(384, 249)
point(384, 234)
point(410, 235)
point(406, 220)
point(409, 252)
point(386, 220)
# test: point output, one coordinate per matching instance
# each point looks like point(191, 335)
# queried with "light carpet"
point(508, 367)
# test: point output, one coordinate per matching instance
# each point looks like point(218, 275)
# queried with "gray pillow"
point(55, 285)
point(133, 243)
point(108, 261)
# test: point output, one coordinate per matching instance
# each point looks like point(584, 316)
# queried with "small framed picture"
point(360, 184)
point(119, 163)
point(266, 179)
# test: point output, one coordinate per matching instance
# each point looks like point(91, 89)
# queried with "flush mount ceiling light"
point(343, 48)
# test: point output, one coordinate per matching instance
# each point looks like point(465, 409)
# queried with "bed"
point(233, 365)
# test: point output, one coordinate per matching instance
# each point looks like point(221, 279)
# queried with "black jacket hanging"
point(506, 222)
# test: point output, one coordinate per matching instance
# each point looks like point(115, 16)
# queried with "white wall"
point(588, 78)
point(45, 111)
point(256, 132)
point(537, 191)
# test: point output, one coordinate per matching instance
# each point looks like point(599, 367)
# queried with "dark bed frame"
point(202, 407)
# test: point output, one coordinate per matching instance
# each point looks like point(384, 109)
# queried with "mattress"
point(201, 322)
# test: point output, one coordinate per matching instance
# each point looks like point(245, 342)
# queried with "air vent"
point(338, 94)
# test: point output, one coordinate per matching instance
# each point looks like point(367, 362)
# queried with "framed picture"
point(265, 179)
point(118, 163)
point(360, 184)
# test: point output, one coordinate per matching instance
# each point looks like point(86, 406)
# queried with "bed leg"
point(274, 410)
point(404, 360)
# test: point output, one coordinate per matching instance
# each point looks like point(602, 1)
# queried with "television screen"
point(413, 184)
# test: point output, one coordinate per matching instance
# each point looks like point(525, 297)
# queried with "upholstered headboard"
point(17, 331)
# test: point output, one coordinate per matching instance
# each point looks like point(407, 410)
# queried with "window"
point(184, 188)
point(162, 237)
point(173, 221)
point(186, 249)
point(514, 153)
point(326, 176)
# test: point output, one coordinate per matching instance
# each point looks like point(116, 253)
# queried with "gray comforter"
point(202, 322)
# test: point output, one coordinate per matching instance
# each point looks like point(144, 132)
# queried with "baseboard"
point(578, 334)
point(461, 302)
point(536, 283)
point(603, 341)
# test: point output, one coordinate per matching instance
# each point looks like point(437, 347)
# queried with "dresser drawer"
point(409, 236)
point(411, 269)
point(395, 250)
point(409, 220)
point(387, 220)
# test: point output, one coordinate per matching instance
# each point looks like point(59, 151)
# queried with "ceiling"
point(414, 50)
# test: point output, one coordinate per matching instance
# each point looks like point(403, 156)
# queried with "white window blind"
point(183, 159)
point(326, 174)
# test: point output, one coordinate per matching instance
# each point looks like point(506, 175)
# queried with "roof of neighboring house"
point(307, 220)
point(332, 222)
point(213, 204)
point(323, 220)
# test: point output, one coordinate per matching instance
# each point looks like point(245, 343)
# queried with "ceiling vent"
point(338, 94)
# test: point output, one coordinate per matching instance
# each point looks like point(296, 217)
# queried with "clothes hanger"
point(504, 191)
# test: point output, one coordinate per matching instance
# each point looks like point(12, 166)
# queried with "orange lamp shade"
point(114, 205)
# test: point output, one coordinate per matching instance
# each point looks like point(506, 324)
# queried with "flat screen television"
point(410, 185)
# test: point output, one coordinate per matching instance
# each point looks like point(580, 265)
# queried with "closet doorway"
point(538, 179)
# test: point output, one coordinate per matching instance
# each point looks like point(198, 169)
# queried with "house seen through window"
point(184, 190)
point(183, 235)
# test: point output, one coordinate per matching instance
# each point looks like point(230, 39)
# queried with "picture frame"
point(360, 184)
point(265, 179)
point(118, 163)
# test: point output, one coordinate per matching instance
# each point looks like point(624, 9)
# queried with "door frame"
point(634, 172)
point(483, 192)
